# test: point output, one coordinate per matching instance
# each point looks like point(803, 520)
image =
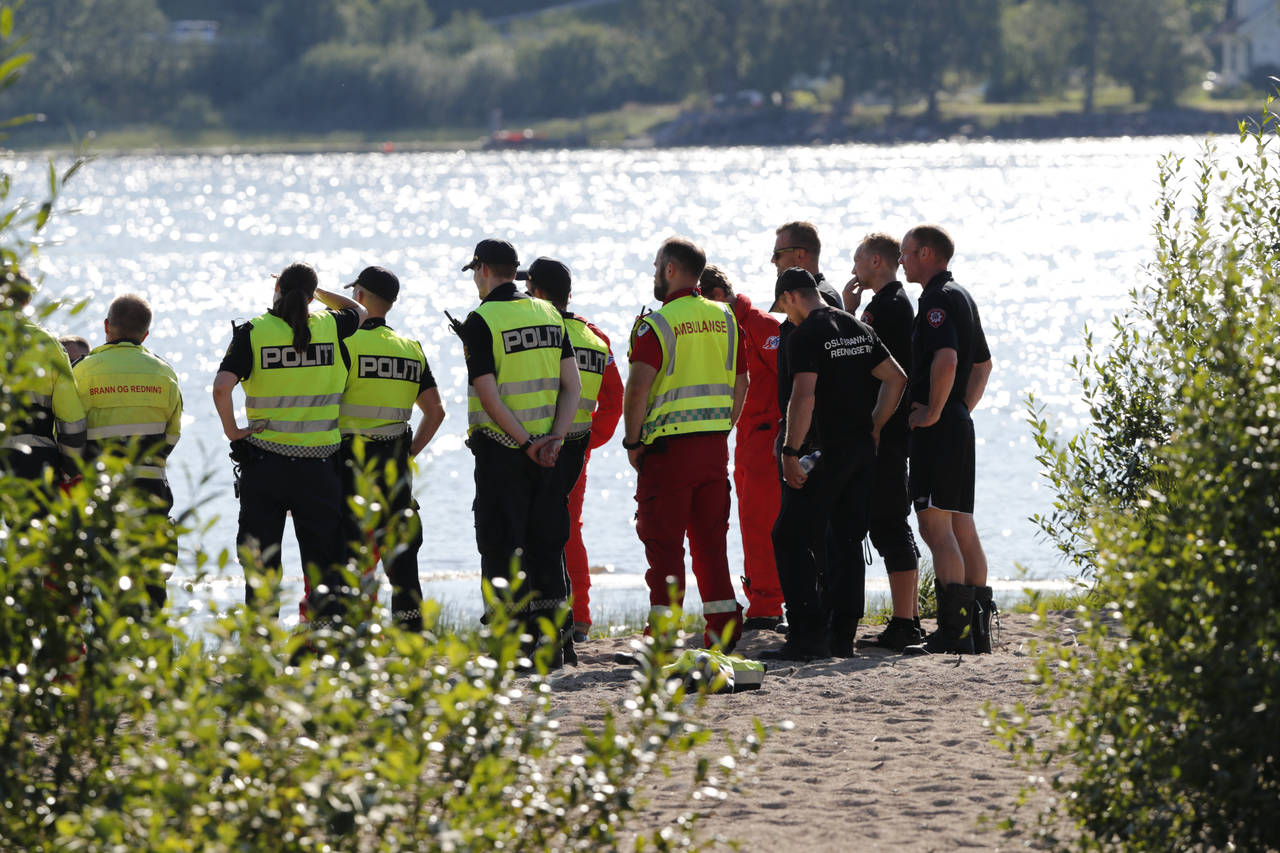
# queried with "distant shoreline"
point(690, 128)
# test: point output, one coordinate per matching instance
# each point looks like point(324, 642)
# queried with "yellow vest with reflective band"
point(693, 391)
point(46, 411)
point(527, 338)
point(382, 384)
point(592, 354)
point(296, 394)
point(128, 393)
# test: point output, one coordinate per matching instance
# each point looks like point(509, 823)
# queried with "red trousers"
point(575, 553)
point(755, 478)
point(683, 490)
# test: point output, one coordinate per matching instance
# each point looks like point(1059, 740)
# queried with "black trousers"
point(826, 517)
point(890, 505)
point(272, 486)
point(522, 523)
point(397, 531)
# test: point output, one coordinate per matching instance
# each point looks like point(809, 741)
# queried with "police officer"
point(687, 384)
point(388, 375)
point(950, 364)
point(521, 403)
point(598, 412)
point(290, 363)
point(891, 315)
point(754, 479)
point(46, 424)
point(134, 409)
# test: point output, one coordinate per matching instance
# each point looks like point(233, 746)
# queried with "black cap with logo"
point(792, 278)
point(498, 252)
point(549, 276)
point(379, 282)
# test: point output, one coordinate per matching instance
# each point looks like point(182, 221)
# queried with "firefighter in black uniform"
point(388, 376)
point(891, 315)
point(950, 364)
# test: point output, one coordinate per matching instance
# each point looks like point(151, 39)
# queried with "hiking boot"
point(895, 637)
point(581, 631)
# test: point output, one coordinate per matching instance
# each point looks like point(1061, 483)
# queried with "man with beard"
point(687, 384)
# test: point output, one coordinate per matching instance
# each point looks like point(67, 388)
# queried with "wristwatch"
point(632, 445)
point(790, 451)
point(528, 442)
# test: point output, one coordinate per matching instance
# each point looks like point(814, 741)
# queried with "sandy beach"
point(887, 752)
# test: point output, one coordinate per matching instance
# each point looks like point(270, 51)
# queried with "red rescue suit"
point(683, 489)
point(604, 420)
point(755, 477)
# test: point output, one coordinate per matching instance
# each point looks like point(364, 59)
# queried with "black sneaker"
point(761, 623)
point(896, 636)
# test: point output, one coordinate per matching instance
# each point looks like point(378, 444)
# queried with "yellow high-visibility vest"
point(527, 335)
point(693, 391)
point(382, 384)
point(592, 355)
point(296, 393)
point(128, 393)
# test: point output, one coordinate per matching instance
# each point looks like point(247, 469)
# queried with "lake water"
point(1050, 236)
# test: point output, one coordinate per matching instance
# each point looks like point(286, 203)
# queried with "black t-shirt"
point(829, 295)
point(477, 339)
point(843, 351)
point(239, 356)
point(425, 383)
point(891, 314)
point(947, 319)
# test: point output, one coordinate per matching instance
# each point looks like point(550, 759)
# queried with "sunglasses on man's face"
point(777, 253)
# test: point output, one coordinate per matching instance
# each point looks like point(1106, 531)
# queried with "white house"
point(1250, 39)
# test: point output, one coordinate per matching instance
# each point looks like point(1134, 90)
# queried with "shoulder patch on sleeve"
point(773, 342)
point(936, 317)
point(867, 317)
point(642, 330)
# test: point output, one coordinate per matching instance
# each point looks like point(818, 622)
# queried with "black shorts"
point(942, 463)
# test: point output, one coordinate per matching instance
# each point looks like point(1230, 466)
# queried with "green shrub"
point(1163, 734)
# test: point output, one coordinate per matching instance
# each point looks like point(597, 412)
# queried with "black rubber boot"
point(844, 630)
point(955, 624)
point(984, 608)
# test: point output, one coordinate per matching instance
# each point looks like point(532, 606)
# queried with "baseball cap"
point(498, 252)
point(550, 275)
point(792, 278)
point(379, 282)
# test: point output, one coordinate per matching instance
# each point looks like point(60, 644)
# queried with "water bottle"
point(809, 460)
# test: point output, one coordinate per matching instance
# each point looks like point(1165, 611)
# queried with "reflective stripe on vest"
point(694, 390)
point(383, 383)
point(280, 373)
point(527, 337)
point(592, 355)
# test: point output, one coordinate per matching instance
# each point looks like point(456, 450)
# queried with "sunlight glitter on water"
point(1050, 237)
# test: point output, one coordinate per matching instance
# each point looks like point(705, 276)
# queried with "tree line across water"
point(313, 66)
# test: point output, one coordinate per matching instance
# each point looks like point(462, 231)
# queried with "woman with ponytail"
point(293, 370)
